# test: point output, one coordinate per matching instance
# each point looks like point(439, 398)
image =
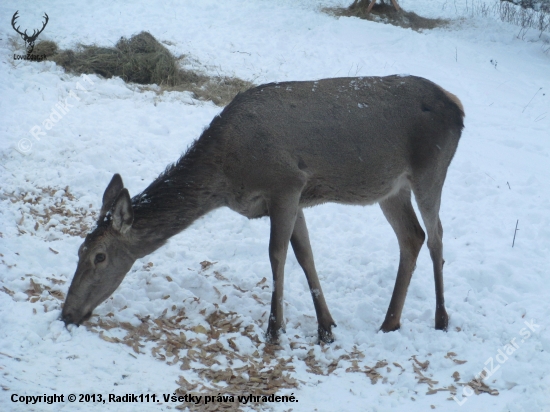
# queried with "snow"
point(495, 294)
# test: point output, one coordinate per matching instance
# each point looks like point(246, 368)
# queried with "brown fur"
point(455, 99)
point(276, 149)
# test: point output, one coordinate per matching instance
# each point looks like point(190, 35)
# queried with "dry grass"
point(141, 59)
point(46, 47)
point(525, 17)
point(540, 5)
point(386, 13)
point(218, 89)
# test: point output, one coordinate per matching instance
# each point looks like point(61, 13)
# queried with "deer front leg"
point(282, 214)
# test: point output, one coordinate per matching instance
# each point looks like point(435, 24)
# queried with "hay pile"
point(383, 12)
point(143, 60)
point(46, 48)
point(140, 59)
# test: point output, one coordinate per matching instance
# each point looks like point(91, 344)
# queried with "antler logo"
point(29, 40)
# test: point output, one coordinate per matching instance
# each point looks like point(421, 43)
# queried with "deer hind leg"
point(400, 214)
point(282, 214)
point(304, 255)
point(428, 203)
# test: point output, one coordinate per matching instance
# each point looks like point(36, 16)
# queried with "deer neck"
point(186, 191)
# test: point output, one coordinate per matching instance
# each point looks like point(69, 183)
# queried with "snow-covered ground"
point(497, 296)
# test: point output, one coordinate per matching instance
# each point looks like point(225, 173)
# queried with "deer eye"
point(100, 257)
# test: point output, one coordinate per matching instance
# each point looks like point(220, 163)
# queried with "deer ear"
point(111, 193)
point(122, 212)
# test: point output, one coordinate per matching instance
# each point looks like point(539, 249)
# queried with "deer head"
point(29, 40)
point(104, 258)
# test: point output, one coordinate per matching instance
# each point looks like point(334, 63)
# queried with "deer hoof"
point(441, 319)
point(390, 326)
point(272, 335)
point(325, 335)
point(271, 339)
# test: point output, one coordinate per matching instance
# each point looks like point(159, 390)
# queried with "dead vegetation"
point(48, 210)
point(221, 366)
point(387, 14)
point(539, 5)
point(143, 60)
point(223, 354)
point(35, 291)
point(525, 16)
point(46, 48)
point(208, 353)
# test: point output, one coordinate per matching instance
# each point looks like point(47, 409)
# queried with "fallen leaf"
point(200, 329)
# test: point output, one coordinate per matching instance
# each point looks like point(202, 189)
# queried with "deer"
point(29, 40)
point(279, 148)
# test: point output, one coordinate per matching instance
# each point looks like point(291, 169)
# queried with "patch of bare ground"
point(387, 14)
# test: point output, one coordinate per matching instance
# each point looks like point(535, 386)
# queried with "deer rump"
point(276, 149)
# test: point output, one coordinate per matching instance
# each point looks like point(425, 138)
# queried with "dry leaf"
point(200, 329)
point(205, 264)
point(8, 291)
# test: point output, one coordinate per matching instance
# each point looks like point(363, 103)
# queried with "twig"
point(508, 185)
point(515, 231)
point(540, 88)
point(540, 117)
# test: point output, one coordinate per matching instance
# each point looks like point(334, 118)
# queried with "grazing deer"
point(276, 149)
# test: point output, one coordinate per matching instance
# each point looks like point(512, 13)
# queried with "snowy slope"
point(499, 175)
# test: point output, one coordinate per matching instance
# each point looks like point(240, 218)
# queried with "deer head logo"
point(29, 40)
